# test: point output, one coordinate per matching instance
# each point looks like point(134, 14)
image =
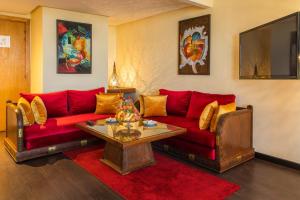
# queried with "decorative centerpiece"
point(128, 115)
point(127, 111)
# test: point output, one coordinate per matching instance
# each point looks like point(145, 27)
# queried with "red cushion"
point(83, 101)
point(55, 102)
point(190, 148)
point(177, 101)
point(197, 136)
point(193, 134)
point(57, 130)
point(200, 100)
point(176, 121)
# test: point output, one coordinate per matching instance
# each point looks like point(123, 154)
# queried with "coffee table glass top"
point(137, 131)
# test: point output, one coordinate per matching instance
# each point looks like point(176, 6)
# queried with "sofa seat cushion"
point(57, 130)
point(190, 148)
point(193, 134)
point(56, 103)
point(199, 100)
point(197, 136)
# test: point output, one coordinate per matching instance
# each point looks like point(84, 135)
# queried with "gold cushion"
point(155, 105)
point(39, 110)
point(141, 104)
point(108, 103)
point(207, 115)
point(24, 106)
point(141, 99)
point(222, 109)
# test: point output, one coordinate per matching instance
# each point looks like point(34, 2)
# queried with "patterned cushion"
point(24, 106)
point(39, 110)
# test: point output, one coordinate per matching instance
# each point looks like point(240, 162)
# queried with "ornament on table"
point(127, 111)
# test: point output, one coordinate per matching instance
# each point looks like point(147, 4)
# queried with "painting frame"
point(88, 68)
point(194, 64)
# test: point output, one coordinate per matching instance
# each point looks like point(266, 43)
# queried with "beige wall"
point(112, 50)
point(36, 51)
point(147, 59)
point(52, 81)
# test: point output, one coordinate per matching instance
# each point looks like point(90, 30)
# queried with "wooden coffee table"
point(128, 150)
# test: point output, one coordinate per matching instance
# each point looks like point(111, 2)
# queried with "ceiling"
point(118, 11)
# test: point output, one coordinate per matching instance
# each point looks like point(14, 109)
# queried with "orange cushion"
point(108, 103)
point(155, 105)
point(207, 115)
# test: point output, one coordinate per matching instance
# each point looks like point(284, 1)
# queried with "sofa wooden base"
point(44, 151)
point(236, 160)
point(214, 165)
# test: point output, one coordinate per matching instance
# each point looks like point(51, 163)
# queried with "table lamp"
point(114, 80)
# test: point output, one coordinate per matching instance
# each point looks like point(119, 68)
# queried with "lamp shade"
point(114, 80)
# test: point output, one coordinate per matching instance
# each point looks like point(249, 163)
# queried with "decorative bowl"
point(111, 120)
point(149, 123)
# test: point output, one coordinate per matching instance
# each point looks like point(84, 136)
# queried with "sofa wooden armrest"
point(234, 143)
point(14, 127)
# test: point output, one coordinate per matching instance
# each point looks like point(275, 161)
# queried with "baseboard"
point(278, 161)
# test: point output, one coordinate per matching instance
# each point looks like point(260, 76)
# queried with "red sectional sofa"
point(229, 146)
point(65, 109)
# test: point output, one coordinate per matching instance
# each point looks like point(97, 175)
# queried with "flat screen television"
point(271, 51)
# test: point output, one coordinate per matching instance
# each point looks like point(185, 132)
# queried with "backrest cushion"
point(155, 105)
point(177, 101)
point(199, 100)
point(83, 101)
point(108, 103)
point(56, 103)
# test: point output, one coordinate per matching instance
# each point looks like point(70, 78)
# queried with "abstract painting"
point(194, 46)
point(74, 47)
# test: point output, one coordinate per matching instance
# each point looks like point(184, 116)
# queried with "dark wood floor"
point(56, 177)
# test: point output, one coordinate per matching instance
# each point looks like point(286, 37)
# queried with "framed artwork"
point(74, 47)
point(194, 46)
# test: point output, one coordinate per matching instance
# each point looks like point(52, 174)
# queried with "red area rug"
point(167, 179)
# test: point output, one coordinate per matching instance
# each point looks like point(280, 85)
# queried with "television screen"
point(270, 51)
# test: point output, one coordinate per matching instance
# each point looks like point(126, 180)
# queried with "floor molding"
point(278, 161)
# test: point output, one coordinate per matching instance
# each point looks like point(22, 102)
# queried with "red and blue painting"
point(74, 47)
